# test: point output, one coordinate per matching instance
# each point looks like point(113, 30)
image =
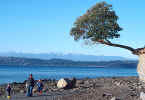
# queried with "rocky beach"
point(108, 88)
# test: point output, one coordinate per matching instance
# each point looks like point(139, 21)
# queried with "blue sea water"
point(10, 74)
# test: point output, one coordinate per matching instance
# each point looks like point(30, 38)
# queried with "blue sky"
point(43, 26)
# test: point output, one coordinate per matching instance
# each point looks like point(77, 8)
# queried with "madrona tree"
point(99, 25)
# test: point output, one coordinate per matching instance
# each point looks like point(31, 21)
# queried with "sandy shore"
point(123, 88)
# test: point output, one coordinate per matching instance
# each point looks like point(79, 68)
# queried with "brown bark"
point(139, 51)
point(118, 45)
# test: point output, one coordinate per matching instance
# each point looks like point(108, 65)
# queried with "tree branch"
point(117, 45)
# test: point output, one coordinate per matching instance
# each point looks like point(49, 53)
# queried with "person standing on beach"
point(8, 91)
point(40, 86)
point(30, 83)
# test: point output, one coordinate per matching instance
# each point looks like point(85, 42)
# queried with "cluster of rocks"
point(115, 88)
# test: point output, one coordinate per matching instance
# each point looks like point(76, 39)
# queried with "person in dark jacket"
point(40, 86)
point(8, 91)
point(30, 83)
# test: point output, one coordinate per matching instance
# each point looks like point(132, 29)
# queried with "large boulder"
point(66, 83)
point(62, 83)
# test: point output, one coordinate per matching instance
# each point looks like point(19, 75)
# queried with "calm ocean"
point(10, 74)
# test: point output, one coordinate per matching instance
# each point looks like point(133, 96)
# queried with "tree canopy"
point(98, 25)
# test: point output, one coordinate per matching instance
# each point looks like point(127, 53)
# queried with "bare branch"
point(118, 45)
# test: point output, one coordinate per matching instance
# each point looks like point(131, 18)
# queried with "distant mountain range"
point(74, 57)
point(15, 61)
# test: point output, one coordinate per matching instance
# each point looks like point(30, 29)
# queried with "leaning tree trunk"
point(141, 67)
point(139, 51)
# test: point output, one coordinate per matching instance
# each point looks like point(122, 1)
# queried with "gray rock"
point(22, 91)
point(142, 96)
point(114, 98)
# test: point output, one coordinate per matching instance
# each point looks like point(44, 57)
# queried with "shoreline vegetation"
point(105, 88)
point(17, 61)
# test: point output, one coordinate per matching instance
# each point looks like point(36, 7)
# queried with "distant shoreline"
point(15, 61)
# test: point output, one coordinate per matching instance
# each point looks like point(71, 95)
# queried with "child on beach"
point(40, 86)
point(8, 91)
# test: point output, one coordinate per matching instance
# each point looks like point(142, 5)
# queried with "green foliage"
point(98, 24)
